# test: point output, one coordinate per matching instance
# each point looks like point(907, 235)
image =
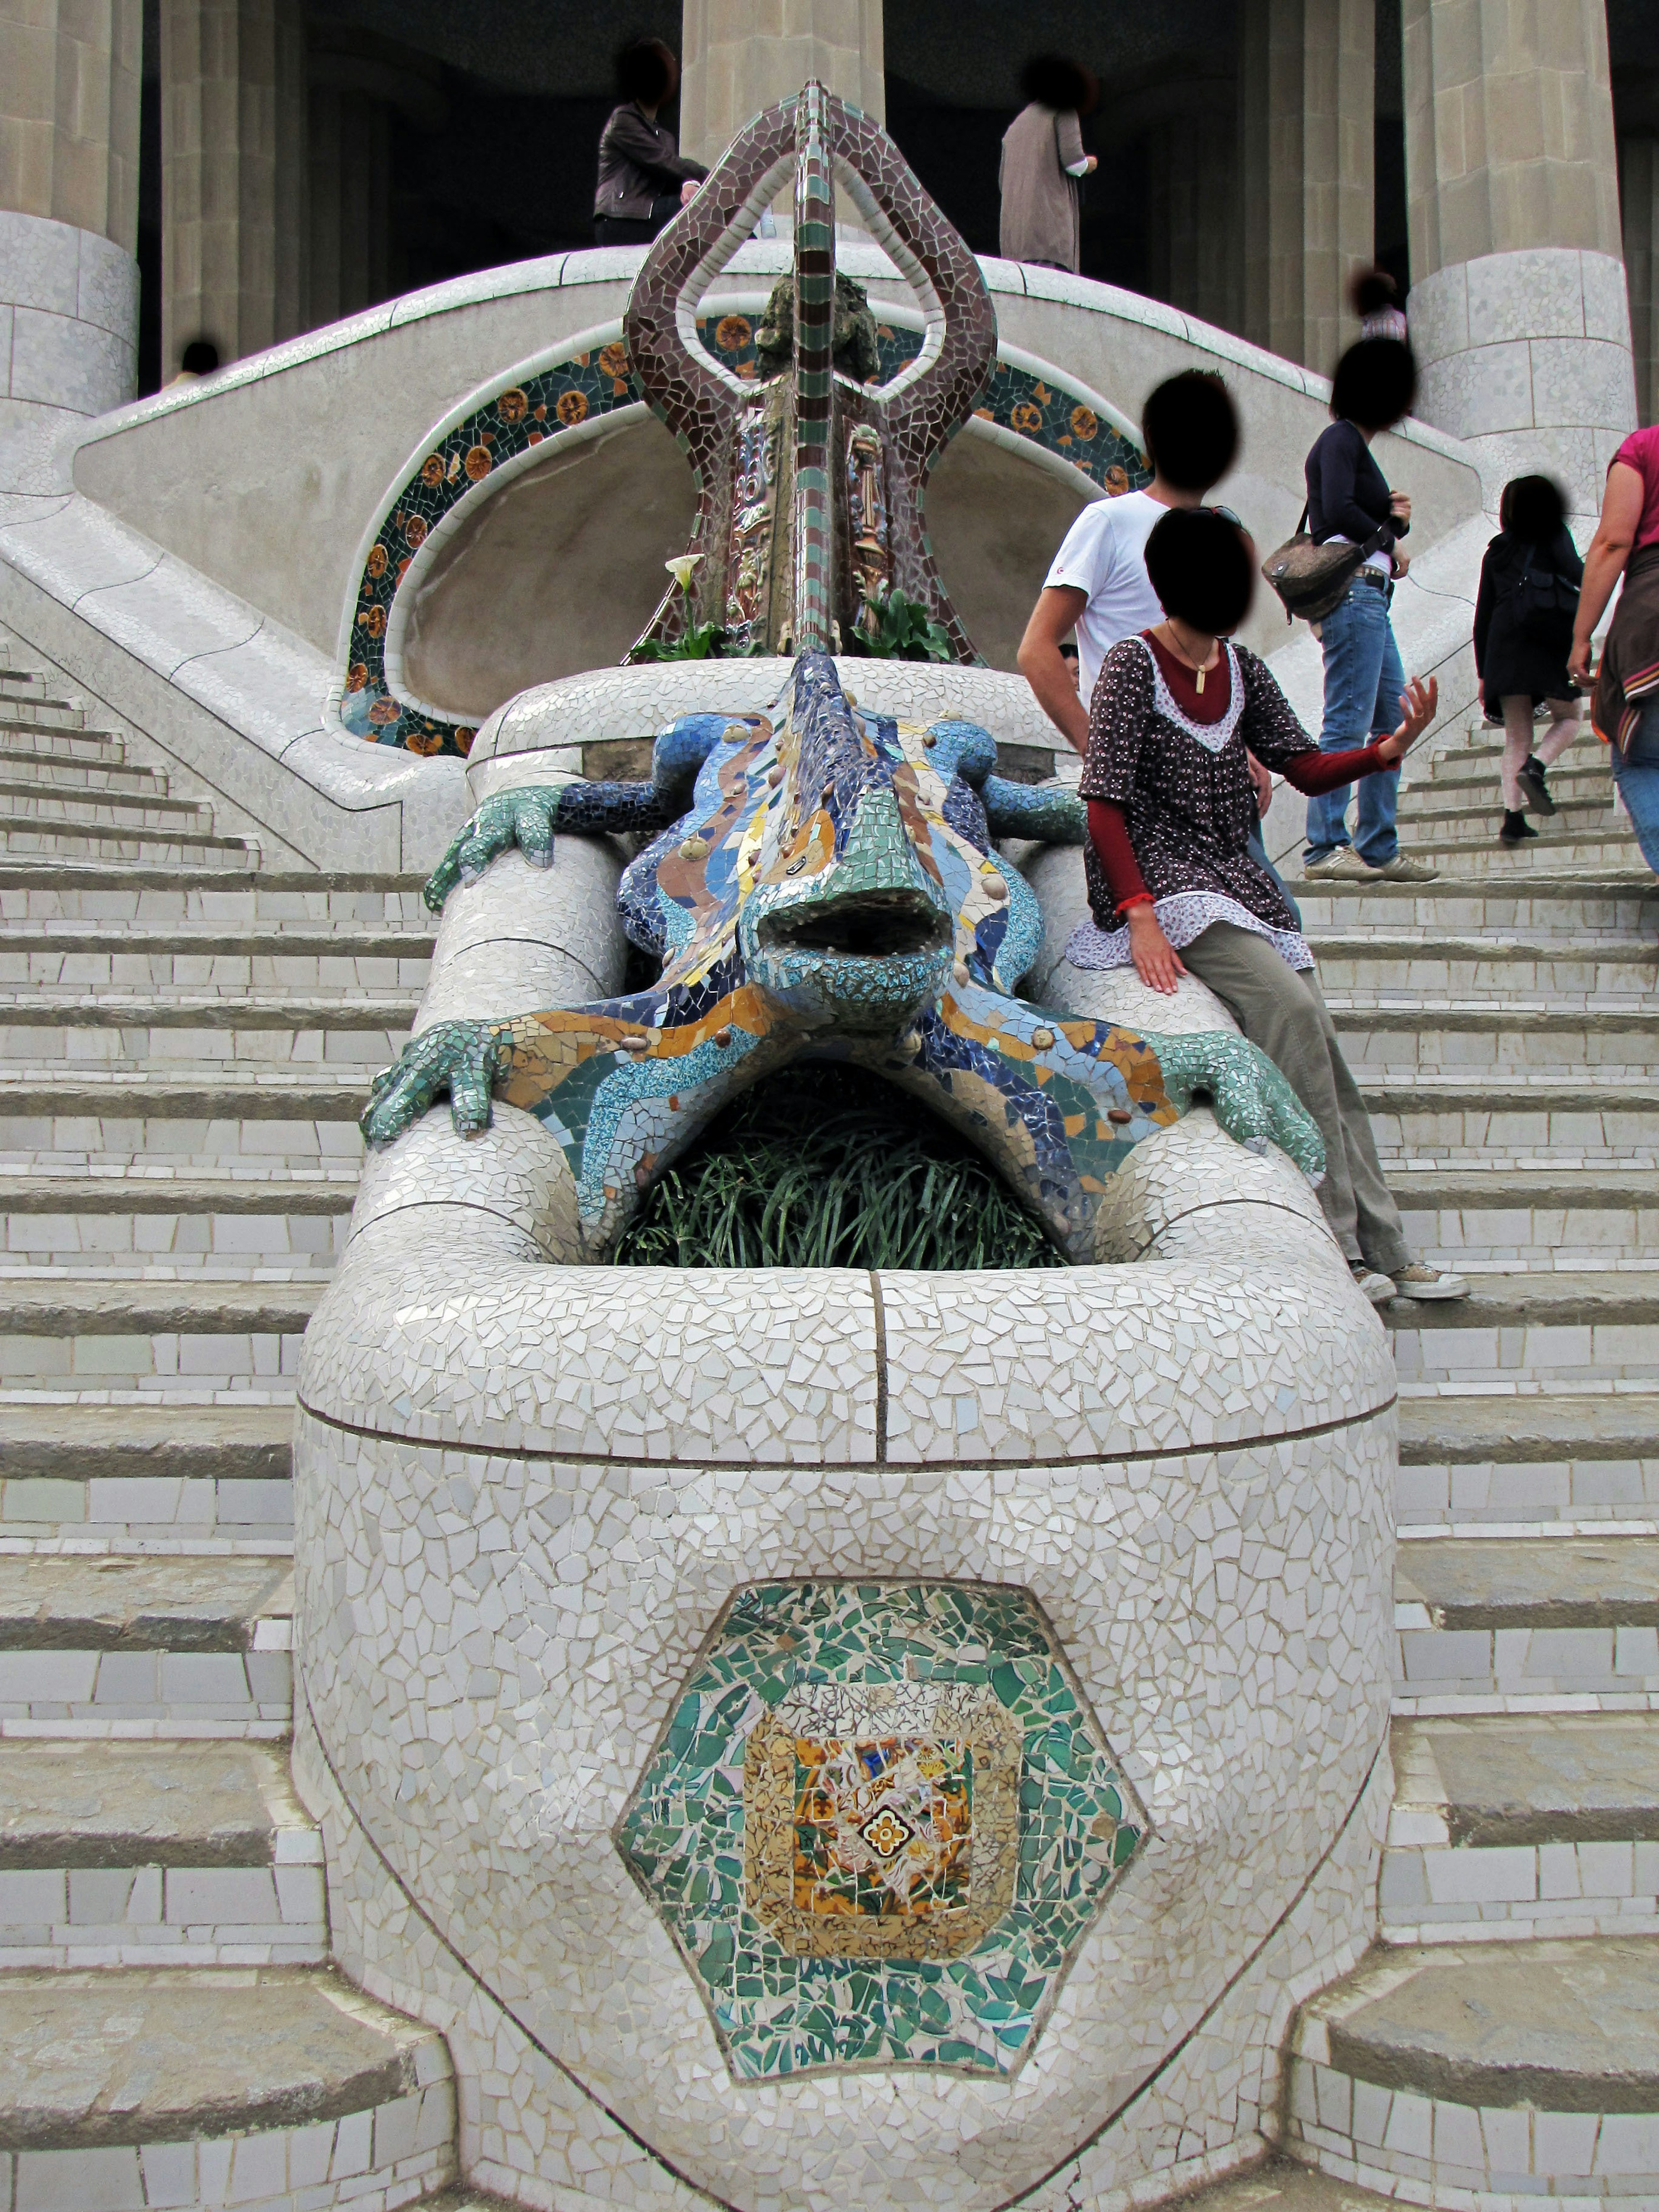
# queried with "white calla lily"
point(681, 568)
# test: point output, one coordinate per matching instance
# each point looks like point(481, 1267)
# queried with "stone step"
point(126, 1027)
point(265, 2088)
point(75, 1219)
point(30, 706)
point(1499, 1458)
point(1473, 849)
point(1504, 1829)
point(156, 1476)
point(120, 1854)
point(80, 1334)
point(1433, 811)
point(37, 741)
point(201, 1119)
point(1528, 1330)
point(155, 896)
point(1502, 2071)
point(41, 766)
point(1580, 772)
point(1549, 1219)
point(1464, 966)
point(1541, 1617)
point(157, 1646)
point(1554, 1122)
point(1604, 1040)
point(1574, 903)
point(27, 798)
point(23, 837)
point(1483, 748)
point(267, 965)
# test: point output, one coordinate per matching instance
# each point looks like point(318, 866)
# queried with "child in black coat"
point(1523, 619)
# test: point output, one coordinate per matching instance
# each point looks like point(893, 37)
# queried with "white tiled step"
point(117, 1854)
point(41, 762)
point(266, 2089)
point(1484, 2076)
point(80, 1218)
point(1499, 1457)
point(1549, 1219)
point(1541, 1619)
point(174, 1646)
point(157, 897)
point(1579, 905)
point(1458, 965)
point(67, 1333)
point(1503, 1829)
point(155, 1476)
point(1525, 1331)
point(182, 963)
point(23, 837)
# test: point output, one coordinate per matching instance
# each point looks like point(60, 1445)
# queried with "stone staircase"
point(186, 1040)
point(1502, 2040)
point(188, 1035)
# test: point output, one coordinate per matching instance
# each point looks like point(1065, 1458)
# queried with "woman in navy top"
point(1349, 502)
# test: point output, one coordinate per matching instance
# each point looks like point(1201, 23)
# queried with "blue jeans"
point(1639, 789)
point(1364, 679)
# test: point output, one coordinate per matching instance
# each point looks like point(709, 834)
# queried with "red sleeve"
point(1312, 773)
point(1108, 832)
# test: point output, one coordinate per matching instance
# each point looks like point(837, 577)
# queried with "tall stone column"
point(1195, 226)
point(1306, 126)
point(1517, 308)
point(68, 208)
point(232, 174)
point(737, 57)
point(1638, 202)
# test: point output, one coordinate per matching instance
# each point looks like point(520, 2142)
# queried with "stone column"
point(739, 56)
point(68, 208)
point(1195, 227)
point(361, 90)
point(1638, 202)
point(1517, 308)
point(1306, 126)
point(232, 174)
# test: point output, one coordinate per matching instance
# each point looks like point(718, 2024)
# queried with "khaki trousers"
point(1282, 1010)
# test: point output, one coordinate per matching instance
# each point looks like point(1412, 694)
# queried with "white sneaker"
point(1379, 1289)
point(1342, 866)
point(1404, 870)
point(1420, 1281)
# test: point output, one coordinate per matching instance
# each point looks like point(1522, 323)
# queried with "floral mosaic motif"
point(823, 884)
point(953, 1823)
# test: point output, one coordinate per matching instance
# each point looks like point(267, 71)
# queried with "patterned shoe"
point(1419, 1281)
point(1342, 866)
point(1401, 870)
point(1379, 1289)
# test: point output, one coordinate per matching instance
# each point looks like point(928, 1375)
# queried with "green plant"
point(828, 1168)
point(697, 641)
point(891, 626)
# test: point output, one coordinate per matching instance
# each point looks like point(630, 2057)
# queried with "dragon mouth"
point(873, 925)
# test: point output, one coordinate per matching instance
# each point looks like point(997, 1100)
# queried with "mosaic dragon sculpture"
point(822, 882)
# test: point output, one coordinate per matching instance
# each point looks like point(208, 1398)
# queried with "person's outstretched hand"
point(1157, 962)
point(1417, 703)
point(1579, 660)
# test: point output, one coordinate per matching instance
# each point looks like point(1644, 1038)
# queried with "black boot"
point(1533, 787)
point(1516, 831)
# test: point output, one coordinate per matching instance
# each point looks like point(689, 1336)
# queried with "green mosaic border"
point(584, 387)
point(681, 1834)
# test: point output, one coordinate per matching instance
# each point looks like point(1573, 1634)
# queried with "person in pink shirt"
point(1625, 706)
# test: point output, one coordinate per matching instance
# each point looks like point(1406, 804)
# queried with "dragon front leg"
point(1248, 1097)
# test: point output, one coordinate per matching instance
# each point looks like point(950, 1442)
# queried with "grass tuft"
point(825, 1167)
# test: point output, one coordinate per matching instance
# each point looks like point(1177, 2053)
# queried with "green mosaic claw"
point(1248, 1095)
point(1046, 811)
point(523, 820)
point(463, 1058)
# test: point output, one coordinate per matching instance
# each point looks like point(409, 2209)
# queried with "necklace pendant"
point(1200, 683)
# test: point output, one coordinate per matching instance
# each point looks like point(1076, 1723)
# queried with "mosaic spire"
point(811, 477)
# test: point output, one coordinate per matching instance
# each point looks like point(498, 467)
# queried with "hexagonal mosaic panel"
point(878, 1825)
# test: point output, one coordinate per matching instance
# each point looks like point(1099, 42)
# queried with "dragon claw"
point(462, 1058)
point(1248, 1097)
point(511, 820)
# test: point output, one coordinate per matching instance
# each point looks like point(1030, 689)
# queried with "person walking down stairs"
point(1523, 619)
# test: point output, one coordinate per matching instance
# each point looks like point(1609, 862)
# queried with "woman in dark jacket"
point(644, 180)
point(1524, 618)
point(1349, 503)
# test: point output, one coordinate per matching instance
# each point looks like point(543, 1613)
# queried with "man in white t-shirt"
point(1098, 584)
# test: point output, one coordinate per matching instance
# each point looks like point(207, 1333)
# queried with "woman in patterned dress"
point(1171, 883)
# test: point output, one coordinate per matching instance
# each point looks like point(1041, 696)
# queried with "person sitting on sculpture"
point(1172, 885)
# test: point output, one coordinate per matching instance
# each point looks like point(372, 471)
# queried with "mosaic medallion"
point(878, 1825)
